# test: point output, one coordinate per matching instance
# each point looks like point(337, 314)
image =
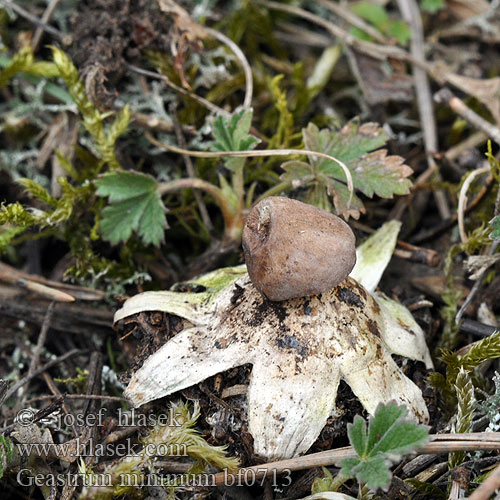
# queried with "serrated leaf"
point(153, 223)
point(373, 172)
point(340, 195)
point(136, 206)
point(495, 224)
point(347, 144)
point(348, 465)
point(357, 435)
point(374, 472)
point(232, 134)
point(403, 437)
point(124, 185)
point(385, 176)
point(385, 416)
point(390, 434)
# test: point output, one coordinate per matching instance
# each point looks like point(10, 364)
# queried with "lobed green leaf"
point(232, 134)
point(373, 172)
point(390, 434)
point(135, 206)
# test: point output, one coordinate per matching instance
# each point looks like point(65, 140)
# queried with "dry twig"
point(64, 37)
point(411, 14)
point(487, 487)
point(44, 19)
point(440, 443)
point(247, 101)
point(445, 96)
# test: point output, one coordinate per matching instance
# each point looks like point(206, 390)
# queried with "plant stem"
point(276, 189)
point(232, 219)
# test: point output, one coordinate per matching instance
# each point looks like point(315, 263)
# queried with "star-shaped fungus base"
point(300, 349)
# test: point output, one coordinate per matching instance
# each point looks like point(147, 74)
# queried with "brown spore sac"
point(295, 250)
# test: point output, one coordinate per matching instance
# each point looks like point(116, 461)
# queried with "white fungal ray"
point(403, 334)
point(374, 254)
point(300, 349)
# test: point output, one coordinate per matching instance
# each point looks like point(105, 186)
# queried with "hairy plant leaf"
point(374, 472)
point(357, 435)
point(373, 172)
point(384, 419)
point(135, 206)
point(232, 134)
point(390, 434)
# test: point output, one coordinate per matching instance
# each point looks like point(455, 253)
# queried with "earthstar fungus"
point(300, 349)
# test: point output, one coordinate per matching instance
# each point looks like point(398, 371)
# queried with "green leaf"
point(322, 484)
point(38, 191)
point(6, 451)
point(232, 134)
point(124, 185)
point(401, 438)
point(372, 12)
point(400, 31)
point(135, 206)
point(357, 435)
point(432, 5)
point(373, 172)
point(390, 434)
point(348, 465)
point(374, 472)
point(19, 62)
point(384, 418)
point(495, 224)
point(297, 172)
point(385, 176)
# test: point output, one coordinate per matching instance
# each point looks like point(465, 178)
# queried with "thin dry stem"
point(462, 200)
point(487, 487)
point(265, 153)
point(44, 19)
point(445, 96)
point(247, 101)
point(64, 37)
point(411, 14)
point(440, 443)
point(200, 100)
point(351, 18)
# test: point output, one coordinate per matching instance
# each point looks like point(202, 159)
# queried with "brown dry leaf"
point(188, 28)
point(464, 9)
point(435, 286)
point(381, 81)
point(190, 34)
point(486, 91)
